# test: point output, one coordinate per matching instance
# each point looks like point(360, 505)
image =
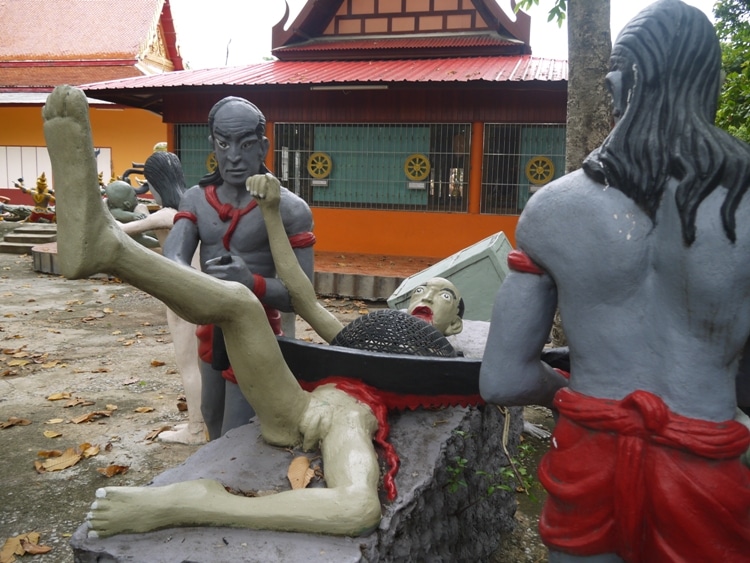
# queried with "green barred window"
point(401, 166)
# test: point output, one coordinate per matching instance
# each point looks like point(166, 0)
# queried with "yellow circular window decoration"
point(539, 170)
point(211, 163)
point(319, 165)
point(417, 167)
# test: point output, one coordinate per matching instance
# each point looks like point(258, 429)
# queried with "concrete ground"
point(106, 349)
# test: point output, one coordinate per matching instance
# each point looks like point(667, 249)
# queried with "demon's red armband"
point(259, 286)
point(185, 215)
point(519, 261)
point(562, 372)
point(302, 240)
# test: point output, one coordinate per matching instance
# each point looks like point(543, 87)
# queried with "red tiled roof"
point(48, 42)
point(73, 30)
point(29, 78)
point(466, 69)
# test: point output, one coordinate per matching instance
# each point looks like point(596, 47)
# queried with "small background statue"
point(123, 205)
point(43, 200)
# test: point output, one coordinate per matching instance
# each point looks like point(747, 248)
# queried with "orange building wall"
point(401, 233)
point(130, 133)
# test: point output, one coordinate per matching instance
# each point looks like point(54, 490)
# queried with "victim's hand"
point(266, 189)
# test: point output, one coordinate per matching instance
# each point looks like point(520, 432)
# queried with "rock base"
point(443, 511)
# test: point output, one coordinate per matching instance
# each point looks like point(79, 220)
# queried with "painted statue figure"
point(328, 417)
point(43, 201)
point(3, 201)
point(219, 215)
point(163, 172)
point(646, 252)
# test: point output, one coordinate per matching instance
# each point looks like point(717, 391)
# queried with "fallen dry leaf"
point(300, 473)
point(52, 434)
point(19, 363)
point(55, 460)
point(55, 421)
point(112, 470)
point(15, 421)
point(111, 407)
point(58, 396)
point(21, 545)
point(78, 402)
point(89, 450)
point(144, 409)
point(88, 417)
point(68, 459)
point(157, 363)
point(35, 548)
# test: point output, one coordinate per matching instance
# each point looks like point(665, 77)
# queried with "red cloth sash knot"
point(632, 477)
point(227, 212)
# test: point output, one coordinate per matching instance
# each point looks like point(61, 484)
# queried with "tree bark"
point(589, 108)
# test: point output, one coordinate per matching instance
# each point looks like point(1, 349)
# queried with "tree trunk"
point(589, 107)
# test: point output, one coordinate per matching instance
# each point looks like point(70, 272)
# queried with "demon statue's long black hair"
point(670, 61)
point(163, 171)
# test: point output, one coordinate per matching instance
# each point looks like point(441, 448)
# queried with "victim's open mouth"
point(423, 312)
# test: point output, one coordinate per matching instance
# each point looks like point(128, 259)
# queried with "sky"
point(238, 32)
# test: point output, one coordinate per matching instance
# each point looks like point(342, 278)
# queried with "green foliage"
point(733, 28)
point(515, 477)
point(517, 472)
point(557, 12)
point(456, 474)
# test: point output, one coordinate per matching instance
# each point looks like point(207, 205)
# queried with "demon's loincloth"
point(633, 478)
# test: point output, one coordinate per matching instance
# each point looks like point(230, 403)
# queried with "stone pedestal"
point(442, 512)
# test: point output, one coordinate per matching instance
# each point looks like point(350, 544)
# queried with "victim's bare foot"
point(85, 241)
point(136, 510)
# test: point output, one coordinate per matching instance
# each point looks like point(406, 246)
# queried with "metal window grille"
point(518, 159)
point(391, 166)
point(378, 166)
point(194, 151)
